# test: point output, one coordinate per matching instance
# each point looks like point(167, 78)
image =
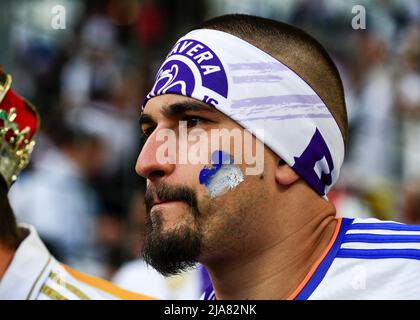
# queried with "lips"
point(164, 201)
point(159, 201)
point(162, 193)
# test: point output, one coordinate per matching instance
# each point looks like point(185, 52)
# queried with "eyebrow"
point(177, 110)
point(146, 119)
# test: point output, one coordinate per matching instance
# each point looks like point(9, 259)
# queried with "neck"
point(274, 265)
point(6, 256)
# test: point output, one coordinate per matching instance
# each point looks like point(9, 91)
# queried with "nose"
point(148, 164)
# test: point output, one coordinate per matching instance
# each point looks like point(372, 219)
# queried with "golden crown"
point(16, 143)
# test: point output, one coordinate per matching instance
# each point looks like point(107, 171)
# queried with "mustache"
point(166, 192)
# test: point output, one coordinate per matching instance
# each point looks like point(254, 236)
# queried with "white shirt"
point(34, 274)
point(366, 259)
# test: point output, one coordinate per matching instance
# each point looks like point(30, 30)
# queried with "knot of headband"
point(259, 93)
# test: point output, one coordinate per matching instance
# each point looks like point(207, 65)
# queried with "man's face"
point(198, 210)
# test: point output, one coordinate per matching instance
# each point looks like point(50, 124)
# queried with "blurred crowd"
point(88, 82)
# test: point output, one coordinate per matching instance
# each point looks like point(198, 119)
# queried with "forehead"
point(158, 107)
point(154, 112)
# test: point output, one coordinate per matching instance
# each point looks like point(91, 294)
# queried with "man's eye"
point(193, 121)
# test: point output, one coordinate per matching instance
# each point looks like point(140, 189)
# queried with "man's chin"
point(171, 216)
point(172, 251)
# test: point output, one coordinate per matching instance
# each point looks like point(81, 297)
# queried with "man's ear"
point(285, 175)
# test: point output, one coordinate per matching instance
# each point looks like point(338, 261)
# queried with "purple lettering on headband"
point(175, 76)
point(315, 164)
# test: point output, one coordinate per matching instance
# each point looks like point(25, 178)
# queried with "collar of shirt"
point(30, 266)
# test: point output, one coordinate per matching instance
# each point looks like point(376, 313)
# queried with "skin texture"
point(258, 240)
point(9, 234)
point(6, 256)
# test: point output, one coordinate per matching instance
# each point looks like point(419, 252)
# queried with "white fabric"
point(34, 274)
point(263, 95)
point(385, 278)
point(29, 268)
point(378, 266)
point(138, 277)
point(370, 279)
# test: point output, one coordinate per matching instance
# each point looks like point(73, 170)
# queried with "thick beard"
point(174, 251)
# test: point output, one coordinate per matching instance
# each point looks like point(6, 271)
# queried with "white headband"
point(258, 92)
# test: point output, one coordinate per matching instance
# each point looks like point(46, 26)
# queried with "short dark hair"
point(294, 48)
point(9, 237)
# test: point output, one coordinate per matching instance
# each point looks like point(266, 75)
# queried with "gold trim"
point(53, 276)
point(15, 153)
point(5, 83)
point(105, 286)
point(51, 293)
point(37, 115)
point(38, 278)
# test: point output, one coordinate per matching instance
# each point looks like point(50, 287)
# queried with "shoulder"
point(374, 260)
point(376, 239)
point(65, 283)
point(376, 224)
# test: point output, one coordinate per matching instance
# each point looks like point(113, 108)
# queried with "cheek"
point(187, 174)
point(222, 176)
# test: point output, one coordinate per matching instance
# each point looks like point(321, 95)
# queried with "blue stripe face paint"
point(222, 176)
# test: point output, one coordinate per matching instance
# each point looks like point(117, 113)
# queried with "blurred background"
point(88, 81)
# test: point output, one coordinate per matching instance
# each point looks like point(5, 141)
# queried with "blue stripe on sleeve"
point(385, 226)
point(380, 238)
point(379, 253)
